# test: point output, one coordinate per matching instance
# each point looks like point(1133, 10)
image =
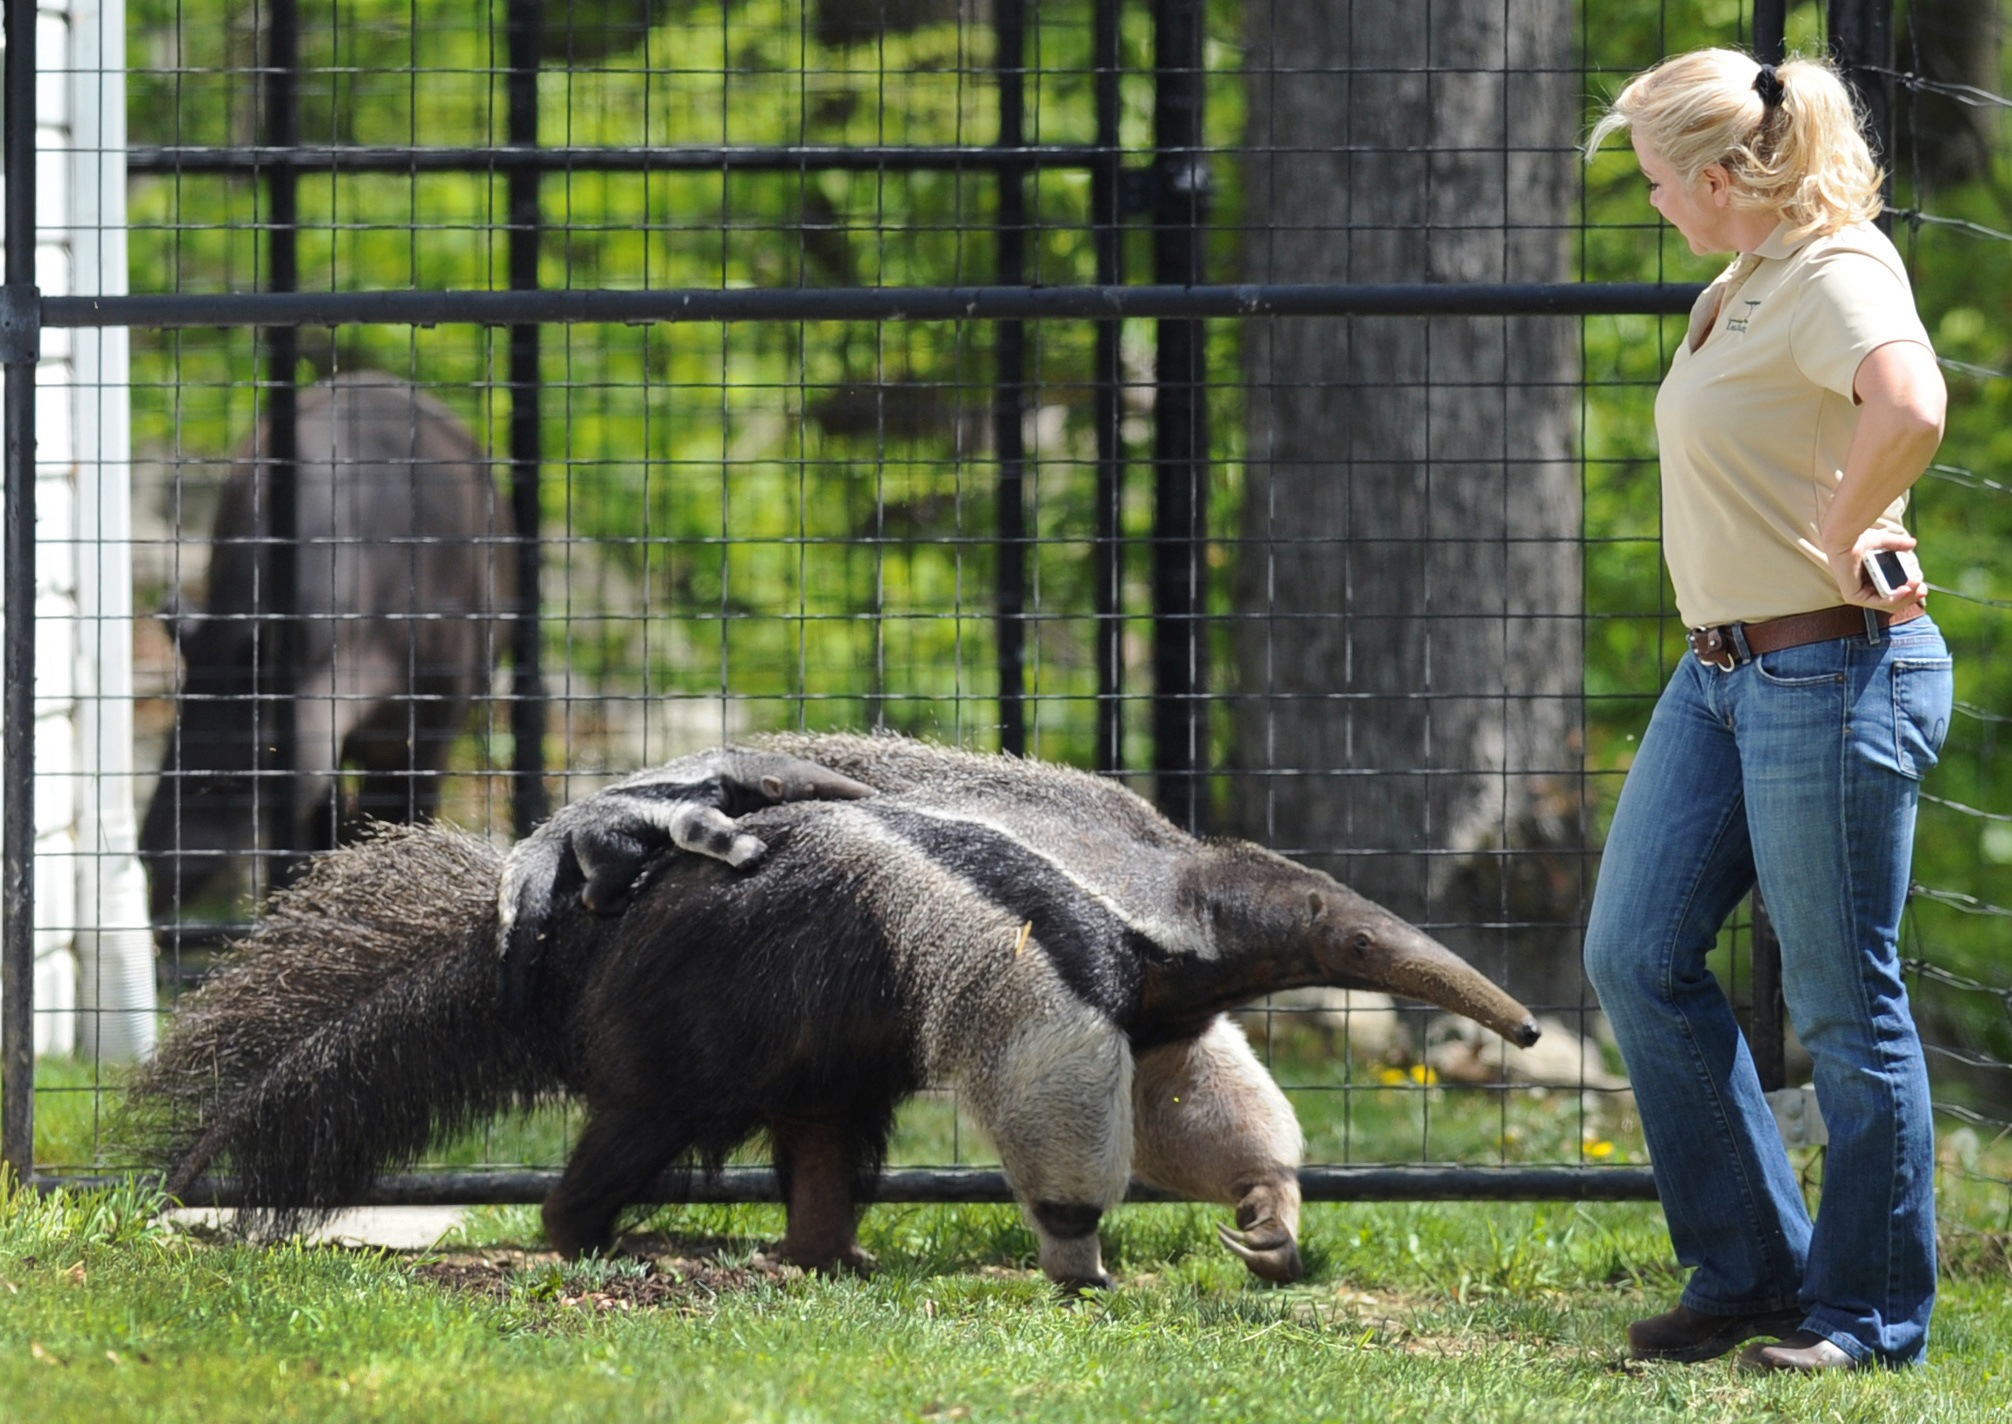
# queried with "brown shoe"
point(1803, 1352)
point(1686, 1336)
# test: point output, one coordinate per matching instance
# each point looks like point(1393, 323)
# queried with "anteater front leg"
point(817, 1163)
point(1058, 1105)
point(1213, 1124)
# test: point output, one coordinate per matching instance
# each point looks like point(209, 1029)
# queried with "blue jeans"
point(1801, 767)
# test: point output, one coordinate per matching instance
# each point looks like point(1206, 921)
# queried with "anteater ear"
point(1315, 906)
point(772, 787)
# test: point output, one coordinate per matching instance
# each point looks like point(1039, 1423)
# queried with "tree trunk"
point(1409, 581)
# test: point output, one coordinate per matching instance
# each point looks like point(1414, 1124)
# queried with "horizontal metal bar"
point(1562, 1183)
point(971, 1184)
point(423, 308)
point(246, 160)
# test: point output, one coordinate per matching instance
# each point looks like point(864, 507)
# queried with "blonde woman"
point(1788, 749)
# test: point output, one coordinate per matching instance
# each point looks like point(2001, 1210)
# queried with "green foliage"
point(804, 512)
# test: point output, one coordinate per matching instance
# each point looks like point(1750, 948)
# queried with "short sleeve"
point(1851, 304)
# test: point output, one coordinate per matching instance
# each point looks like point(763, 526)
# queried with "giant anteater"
point(1036, 937)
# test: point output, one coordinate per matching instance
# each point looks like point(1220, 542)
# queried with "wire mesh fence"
point(1249, 401)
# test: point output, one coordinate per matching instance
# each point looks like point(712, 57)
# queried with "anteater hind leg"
point(817, 1162)
point(620, 1152)
point(1212, 1124)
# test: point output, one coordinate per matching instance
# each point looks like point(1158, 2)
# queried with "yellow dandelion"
point(1600, 1148)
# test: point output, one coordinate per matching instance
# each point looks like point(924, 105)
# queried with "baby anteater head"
point(1277, 925)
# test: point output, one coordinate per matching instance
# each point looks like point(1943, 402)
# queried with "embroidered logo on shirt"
point(1739, 323)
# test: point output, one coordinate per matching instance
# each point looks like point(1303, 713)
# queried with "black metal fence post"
point(1767, 1033)
point(275, 716)
point(1861, 33)
point(1861, 38)
point(1770, 31)
point(526, 24)
point(1108, 564)
point(19, 342)
point(1180, 437)
point(1009, 381)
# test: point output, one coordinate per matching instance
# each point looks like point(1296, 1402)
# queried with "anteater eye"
point(1360, 942)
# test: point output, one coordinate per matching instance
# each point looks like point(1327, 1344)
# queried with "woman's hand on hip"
point(1847, 566)
point(1902, 403)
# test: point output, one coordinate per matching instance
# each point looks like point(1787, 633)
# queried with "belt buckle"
point(1711, 647)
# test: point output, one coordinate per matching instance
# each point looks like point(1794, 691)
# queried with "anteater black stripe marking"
point(1095, 952)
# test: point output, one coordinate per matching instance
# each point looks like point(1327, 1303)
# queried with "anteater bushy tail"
point(357, 1024)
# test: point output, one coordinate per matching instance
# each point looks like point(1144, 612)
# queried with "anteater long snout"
point(1405, 960)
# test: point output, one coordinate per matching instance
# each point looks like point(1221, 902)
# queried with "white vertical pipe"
point(55, 692)
point(113, 942)
point(114, 945)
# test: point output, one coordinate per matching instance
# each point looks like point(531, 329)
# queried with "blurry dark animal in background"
point(1035, 937)
point(404, 575)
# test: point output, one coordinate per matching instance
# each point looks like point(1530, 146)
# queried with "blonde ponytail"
point(1804, 158)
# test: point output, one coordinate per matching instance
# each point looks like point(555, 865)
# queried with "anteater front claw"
point(1268, 1249)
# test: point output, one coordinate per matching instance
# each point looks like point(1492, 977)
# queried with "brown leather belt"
point(1729, 645)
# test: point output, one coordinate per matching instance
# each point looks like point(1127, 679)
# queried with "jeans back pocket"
point(1924, 691)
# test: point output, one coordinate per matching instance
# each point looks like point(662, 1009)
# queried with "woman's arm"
point(1902, 402)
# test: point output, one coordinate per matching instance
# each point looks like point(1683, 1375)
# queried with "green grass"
point(1409, 1311)
point(1467, 1312)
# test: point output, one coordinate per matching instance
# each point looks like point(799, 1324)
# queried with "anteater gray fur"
point(878, 946)
point(1142, 934)
point(405, 570)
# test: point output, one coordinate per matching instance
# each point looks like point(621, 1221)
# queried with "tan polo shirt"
point(1756, 414)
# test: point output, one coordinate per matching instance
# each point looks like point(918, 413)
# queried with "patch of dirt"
point(1388, 1313)
point(672, 1275)
point(1420, 1322)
